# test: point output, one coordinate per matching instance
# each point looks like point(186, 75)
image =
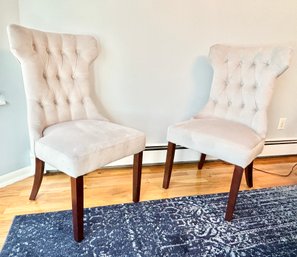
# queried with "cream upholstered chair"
point(66, 130)
point(232, 126)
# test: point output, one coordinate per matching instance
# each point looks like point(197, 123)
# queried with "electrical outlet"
point(2, 100)
point(282, 123)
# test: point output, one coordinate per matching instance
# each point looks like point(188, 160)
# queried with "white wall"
point(153, 70)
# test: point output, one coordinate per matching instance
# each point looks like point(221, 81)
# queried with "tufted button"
point(34, 47)
point(55, 102)
point(229, 103)
point(253, 64)
point(48, 51)
point(72, 76)
point(58, 77)
point(256, 109)
point(241, 84)
point(267, 63)
point(255, 86)
point(215, 101)
point(226, 60)
point(44, 76)
point(41, 105)
point(76, 52)
point(242, 105)
point(67, 101)
point(226, 82)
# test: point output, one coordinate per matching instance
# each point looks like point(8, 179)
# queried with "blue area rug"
point(265, 224)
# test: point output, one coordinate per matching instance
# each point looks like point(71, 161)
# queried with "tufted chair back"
point(243, 83)
point(56, 73)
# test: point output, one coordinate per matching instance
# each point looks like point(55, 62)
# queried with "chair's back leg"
point(202, 160)
point(77, 194)
point(39, 169)
point(235, 184)
point(249, 175)
point(168, 164)
point(137, 167)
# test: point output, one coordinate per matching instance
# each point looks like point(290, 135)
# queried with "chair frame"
point(235, 183)
point(77, 192)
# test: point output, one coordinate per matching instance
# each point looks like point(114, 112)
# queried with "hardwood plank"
point(112, 186)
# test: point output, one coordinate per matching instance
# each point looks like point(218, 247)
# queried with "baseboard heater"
point(178, 147)
point(281, 142)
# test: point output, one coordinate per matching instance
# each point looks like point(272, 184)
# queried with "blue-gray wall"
point(14, 143)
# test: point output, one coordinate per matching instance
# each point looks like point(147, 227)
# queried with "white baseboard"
point(288, 147)
point(15, 176)
point(158, 156)
point(271, 148)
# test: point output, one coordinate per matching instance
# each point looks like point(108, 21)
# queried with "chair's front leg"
point(202, 160)
point(168, 164)
point(249, 175)
point(235, 184)
point(77, 194)
point(39, 170)
point(137, 167)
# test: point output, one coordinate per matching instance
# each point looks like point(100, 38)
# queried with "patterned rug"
point(265, 224)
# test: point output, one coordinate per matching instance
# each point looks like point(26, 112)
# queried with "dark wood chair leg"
point(168, 164)
point(137, 167)
point(249, 175)
point(202, 160)
point(39, 169)
point(77, 194)
point(235, 184)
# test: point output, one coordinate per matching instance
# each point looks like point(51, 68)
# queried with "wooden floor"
point(112, 186)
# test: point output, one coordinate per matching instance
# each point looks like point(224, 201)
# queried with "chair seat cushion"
point(81, 146)
point(226, 140)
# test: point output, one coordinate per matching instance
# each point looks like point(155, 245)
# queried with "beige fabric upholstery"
point(226, 140)
point(243, 83)
point(57, 75)
point(76, 144)
point(233, 124)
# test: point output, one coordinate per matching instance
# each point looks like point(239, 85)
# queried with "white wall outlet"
point(282, 123)
point(2, 100)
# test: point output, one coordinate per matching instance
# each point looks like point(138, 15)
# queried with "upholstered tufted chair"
point(66, 130)
point(232, 126)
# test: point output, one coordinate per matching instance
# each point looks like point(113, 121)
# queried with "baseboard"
point(279, 148)
point(157, 154)
point(15, 176)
